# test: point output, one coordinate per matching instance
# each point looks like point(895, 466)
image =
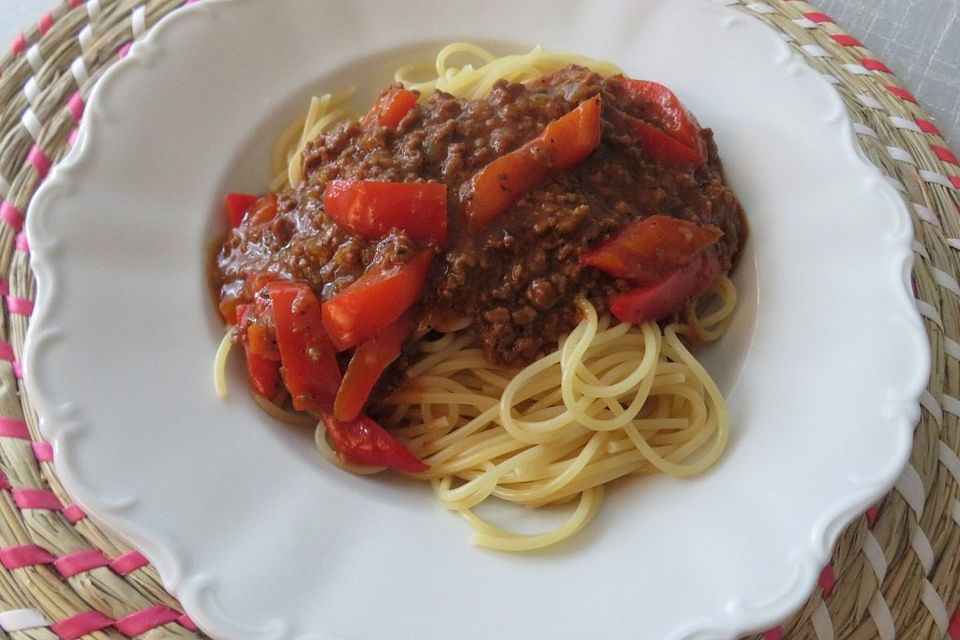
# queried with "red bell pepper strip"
point(309, 361)
point(264, 209)
point(369, 362)
point(562, 145)
point(647, 250)
point(664, 149)
point(390, 107)
point(237, 205)
point(362, 441)
point(374, 301)
point(372, 209)
point(659, 300)
point(664, 109)
point(264, 373)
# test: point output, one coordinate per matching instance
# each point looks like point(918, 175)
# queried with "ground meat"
point(520, 276)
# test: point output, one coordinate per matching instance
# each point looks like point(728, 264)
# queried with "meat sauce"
point(519, 277)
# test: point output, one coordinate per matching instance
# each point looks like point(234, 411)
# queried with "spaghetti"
point(612, 400)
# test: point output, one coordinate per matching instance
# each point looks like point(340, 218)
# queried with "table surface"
point(918, 39)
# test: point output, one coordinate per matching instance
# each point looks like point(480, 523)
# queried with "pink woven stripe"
point(816, 16)
point(19, 45)
point(76, 3)
point(928, 127)
point(80, 625)
point(46, 21)
point(27, 555)
point(6, 351)
point(146, 619)
point(124, 50)
point(773, 634)
point(75, 106)
point(4, 482)
point(954, 630)
point(871, 514)
point(21, 306)
point(827, 580)
point(11, 215)
point(945, 154)
point(13, 428)
point(37, 499)
point(73, 513)
point(184, 620)
point(72, 136)
point(128, 562)
point(21, 244)
point(39, 160)
point(4, 287)
point(875, 65)
point(845, 40)
point(42, 451)
point(955, 181)
point(17, 369)
point(74, 563)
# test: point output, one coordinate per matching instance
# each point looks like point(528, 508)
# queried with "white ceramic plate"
point(261, 539)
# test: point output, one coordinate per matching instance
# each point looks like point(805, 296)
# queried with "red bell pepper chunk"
point(362, 441)
point(390, 107)
point(369, 362)
point(664, 109)
point(264, 373)
point(664, 149)
point(237, 205)
point(647, 250)
point(659, 300)
point(309, 360)
point(377, 299)
point(562, 145)
point(372, 209)
point(264, 209)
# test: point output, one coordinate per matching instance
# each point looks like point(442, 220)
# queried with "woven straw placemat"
point(894, 573)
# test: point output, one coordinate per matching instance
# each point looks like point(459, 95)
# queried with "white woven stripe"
point(880, 613)
point(816, 51)
point(139, 21)
point(950, 460)
point(871, 549)
point(921, 546)
point(951, 348)
point(903, 123)
point(34, 58)
point(32, 90)
point(927, 215)
point(759, 7)
point(22, 619)
point(920, 250)
point(857, 69)
point(936, 178)
point(93, 10)
point(869, 101)
point(864, 130)
point(31, 123)
point(928, 312)
point(831, 79)
point(86, 38)
point(956, 512)
point(910, 487)
point(805, 23)
point(954, 242)
point(901, 155)
point(79, 70)
point(945, 280)
point(950, 404)
point(822, 624)
point(936, 606)
point(928, 402)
